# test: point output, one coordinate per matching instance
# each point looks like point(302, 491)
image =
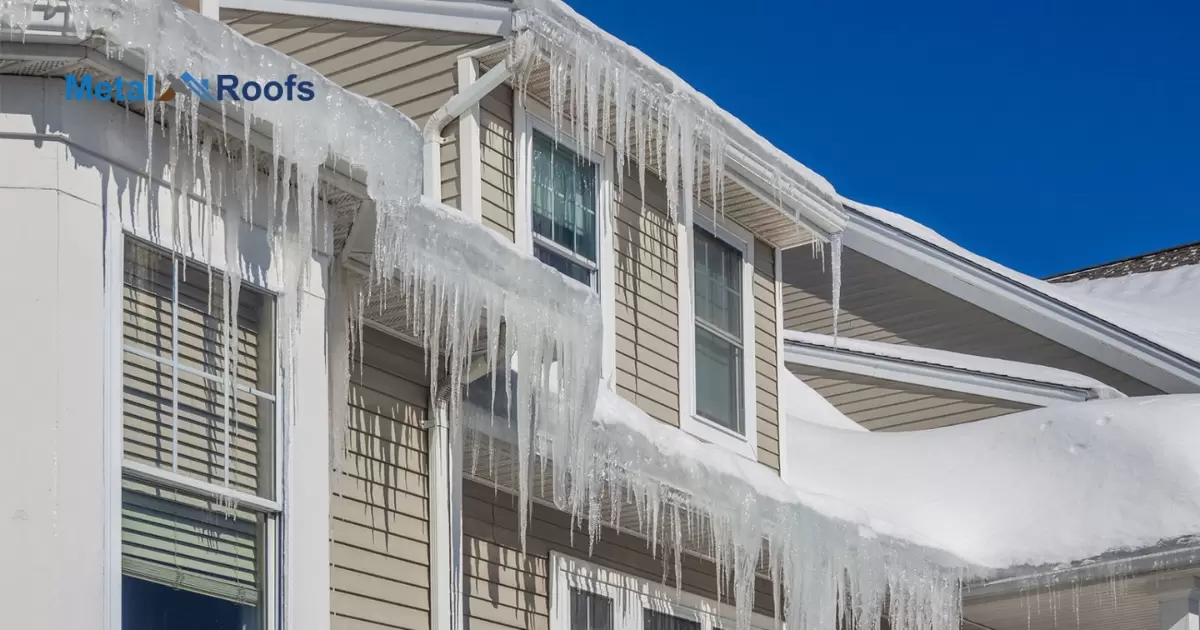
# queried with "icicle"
point(835, 242)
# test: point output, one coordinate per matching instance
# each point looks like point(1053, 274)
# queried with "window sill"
point(712, 433)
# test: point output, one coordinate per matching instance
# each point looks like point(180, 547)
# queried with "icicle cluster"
point(827, 566)
point(459, 279)
point(611, 92)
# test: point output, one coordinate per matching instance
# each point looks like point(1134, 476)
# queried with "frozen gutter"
point(982, 376)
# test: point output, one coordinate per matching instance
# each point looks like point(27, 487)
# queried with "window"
point(563, 210)
point(199, 503)
point(586, 596)
point(719, 332)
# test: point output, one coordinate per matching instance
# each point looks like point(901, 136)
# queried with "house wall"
point(379, 535)
point(411, 69)
point(647, 298)
point(71, 177)
point(880, 303)
point(881, 405)
point(766, 358)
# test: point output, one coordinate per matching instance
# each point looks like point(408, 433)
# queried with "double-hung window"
point(564, 196)
point(719, 330)
point(590, 597)
point(200, 508)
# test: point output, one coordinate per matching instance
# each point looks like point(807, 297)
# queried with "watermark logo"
point(228, 87)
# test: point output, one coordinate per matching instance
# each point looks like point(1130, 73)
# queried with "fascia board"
point(460, 16)
point(936, 376)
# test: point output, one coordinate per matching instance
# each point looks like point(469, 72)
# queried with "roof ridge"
point(1066, 275)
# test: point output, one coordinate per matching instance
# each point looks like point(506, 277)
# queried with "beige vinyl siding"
point(766, 355)
point(880, 303)
point(411, 69)
point(881, 405)
point(496, 160)
point(646, 299)
point(379, 536)
point(507, 589)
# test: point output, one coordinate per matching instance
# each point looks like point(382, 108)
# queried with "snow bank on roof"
point(1169, 295)
point(1039, 487)
point(972, 363)
point(1158, 326)
point(802, 403)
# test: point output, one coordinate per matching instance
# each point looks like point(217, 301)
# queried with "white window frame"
point(631, 595)
point(530, 117)
point(271, 600)
point(740, 239)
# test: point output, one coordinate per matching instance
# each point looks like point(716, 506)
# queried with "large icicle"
point(594, 76)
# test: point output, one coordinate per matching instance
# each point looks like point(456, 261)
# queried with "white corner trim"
point(114, 261)
point(745, 445)
point(929, 375)
point(1071, 327)
point(462, 16)
point(470, 174)
point(780, 365)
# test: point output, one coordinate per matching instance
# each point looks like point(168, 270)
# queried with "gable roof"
point(1161, 350)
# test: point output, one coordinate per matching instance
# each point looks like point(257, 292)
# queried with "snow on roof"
point(1154, 261)
point(957, 360)
point(1165, 329)
point(1034, 488)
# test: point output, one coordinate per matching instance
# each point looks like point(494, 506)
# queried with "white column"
point(1179, 604)
point(307, 474)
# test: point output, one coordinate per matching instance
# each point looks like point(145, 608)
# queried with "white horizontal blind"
point(181, 416)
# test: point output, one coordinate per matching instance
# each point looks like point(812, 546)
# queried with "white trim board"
point(930, 375)
point(1030, 309)
point(460, 16)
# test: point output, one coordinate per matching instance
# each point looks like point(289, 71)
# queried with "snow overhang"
point(759, 186)
point(47, 41)
point(953, 371)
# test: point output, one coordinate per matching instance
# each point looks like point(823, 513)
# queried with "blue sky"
point(1046, 138)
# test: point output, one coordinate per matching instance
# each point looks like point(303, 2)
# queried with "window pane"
point(176, 419)
point(655, 620)
point(718, 280)
point(151, 606)
point(718, 380)
point(564, 197)
point(569, 268)
point(590, 611)
point(192, 544)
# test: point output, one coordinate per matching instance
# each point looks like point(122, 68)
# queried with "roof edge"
point(805, 349)
point(1063, 323)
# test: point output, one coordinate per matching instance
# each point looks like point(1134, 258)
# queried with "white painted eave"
point(461, 16)
point(1072, 327)
point(955, 379)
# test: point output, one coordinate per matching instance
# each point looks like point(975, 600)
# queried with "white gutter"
point(455, 107)
point(997, 386)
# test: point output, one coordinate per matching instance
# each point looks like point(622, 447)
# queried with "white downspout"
point(455, 107)
point(445, 553)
